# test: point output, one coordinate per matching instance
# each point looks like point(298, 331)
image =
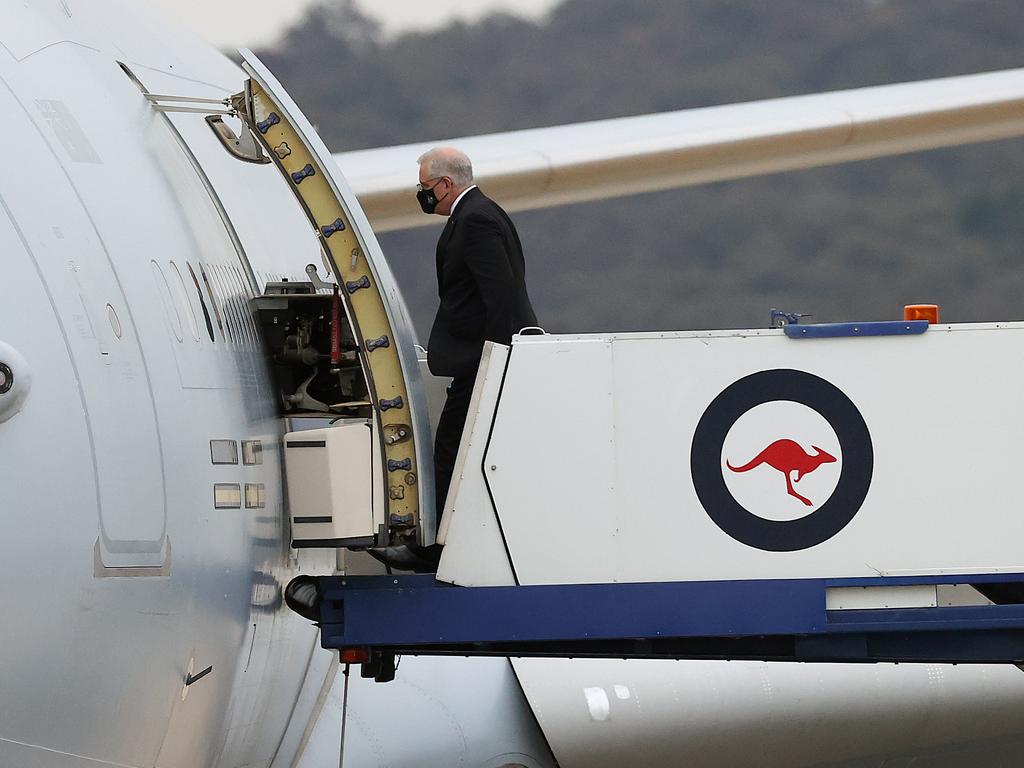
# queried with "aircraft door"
point(372, 303)
point(98, 329)
point(122, 417)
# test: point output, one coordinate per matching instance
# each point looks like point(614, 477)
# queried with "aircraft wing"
point(543, 167)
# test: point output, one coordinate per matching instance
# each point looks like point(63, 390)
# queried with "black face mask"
point(427, 200)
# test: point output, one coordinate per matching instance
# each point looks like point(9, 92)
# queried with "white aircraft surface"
point(145, 534)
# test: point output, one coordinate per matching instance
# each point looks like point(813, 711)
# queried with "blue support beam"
point(783, 619)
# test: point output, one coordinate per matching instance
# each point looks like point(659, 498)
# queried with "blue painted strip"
point(852, 330)
point(419, 613)
point(417, 610)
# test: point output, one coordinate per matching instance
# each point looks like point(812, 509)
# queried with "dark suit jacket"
point(481, 280)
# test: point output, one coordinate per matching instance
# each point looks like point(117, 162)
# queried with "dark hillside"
point(851, 242)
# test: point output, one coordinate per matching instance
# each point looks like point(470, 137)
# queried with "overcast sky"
point(233, 23)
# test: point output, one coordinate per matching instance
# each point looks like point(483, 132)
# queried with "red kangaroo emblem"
point(787, 456)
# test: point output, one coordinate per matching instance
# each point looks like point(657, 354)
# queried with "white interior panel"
point(333, 477)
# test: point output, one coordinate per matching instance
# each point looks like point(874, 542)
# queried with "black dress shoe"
point(432, 554)
point(408, 557)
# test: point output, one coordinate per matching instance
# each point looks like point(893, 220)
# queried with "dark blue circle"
point(854, 442)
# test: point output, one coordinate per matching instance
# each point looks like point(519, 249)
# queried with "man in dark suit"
point(481, 281)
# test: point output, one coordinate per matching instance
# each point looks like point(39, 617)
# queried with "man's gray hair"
point(448, 161)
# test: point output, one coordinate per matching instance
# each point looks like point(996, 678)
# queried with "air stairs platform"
point(839, 493)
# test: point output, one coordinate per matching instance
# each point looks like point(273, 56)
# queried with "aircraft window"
point(202, 302)
point(243, 308)
point(217, 274)
point(115, 321)
point(245, 293)
point(213, 286)
point(213, 300)
point(243, 284)
point(223, 280)
point(234, 296)
point(209, 281)
point(170, 312)
point(182, 295)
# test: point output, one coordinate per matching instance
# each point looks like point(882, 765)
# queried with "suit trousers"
point(449, 435)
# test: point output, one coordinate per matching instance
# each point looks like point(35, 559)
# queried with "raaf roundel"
point(779, 452)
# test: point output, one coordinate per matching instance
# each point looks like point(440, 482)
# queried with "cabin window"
point(182, 295)
point(202, 302)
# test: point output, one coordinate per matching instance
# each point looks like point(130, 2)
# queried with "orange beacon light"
point(929, 312)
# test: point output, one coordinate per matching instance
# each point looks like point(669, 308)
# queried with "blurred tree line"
point(853, 242)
